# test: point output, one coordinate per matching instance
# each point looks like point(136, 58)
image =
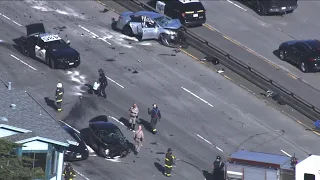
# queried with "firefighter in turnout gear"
point(155, 117)
point(59, 95)
point(69, 173)
point(169, 161)
point(218, 166)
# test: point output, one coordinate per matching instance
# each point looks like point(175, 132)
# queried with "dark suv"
point(107, 139)
point(189, 12)
point(304, 53)
point(264, 7)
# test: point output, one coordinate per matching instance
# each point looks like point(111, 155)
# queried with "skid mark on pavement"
point(44, 7)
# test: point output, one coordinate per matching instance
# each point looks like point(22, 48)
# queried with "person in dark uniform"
point(59, 95)
point(169, 161)
point(155, 117)
point(103, 84)
point(218, 166)
point(69, 173)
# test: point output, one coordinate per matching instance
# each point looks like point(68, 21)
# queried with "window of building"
point(309, 176)
point(38, 159)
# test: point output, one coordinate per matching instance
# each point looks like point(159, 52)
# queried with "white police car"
point(189, 12)
point(48, 48)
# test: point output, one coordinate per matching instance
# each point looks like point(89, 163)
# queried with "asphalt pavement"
point(253, 39)
point(204, 114)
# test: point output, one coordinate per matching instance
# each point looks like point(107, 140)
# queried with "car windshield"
point(162, 21)
point(110, 134)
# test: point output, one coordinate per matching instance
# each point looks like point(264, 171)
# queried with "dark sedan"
point(304, 53)
point(107, 139)
point(75, 153)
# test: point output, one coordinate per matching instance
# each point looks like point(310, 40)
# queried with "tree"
point(14, 167)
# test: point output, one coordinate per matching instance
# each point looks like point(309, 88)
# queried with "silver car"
point(149, 25)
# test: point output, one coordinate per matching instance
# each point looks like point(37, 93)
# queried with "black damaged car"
point(48, 48)
point(107, 139)
point(75, 153)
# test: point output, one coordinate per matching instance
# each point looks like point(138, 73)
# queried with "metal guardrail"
point(281, 94)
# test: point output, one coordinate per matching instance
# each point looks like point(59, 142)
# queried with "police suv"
point(48, 48)
point(189, 12)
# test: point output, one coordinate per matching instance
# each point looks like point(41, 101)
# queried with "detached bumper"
point(282, 9)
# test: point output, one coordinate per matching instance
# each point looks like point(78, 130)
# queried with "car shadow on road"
point(159, 167)
point(16, 44)
point(146, 124)
point(50, 103)
point(276, 53)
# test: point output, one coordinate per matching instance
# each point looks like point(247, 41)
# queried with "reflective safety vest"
point(169, 160)
point(69, 175)
point(59, 94)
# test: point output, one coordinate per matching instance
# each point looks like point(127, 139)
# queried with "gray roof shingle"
point(27, 116)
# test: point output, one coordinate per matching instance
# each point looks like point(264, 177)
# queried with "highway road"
point(204, 114)
point(253, 39)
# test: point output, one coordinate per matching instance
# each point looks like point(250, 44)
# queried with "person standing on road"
point(103, 84)
point(169, 161)
point(138, 139)
point(69, 173)
point(134, 111)
point(155, 117)
point(59, 95)
point(218, 166)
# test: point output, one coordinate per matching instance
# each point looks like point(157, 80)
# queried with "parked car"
point(75, 153)
point(189, 12)
point(107, 139)
point(265, 7)
point(304, 53)
point(149, 25)
point(48, 48)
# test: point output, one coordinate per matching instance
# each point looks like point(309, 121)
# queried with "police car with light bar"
point(48, 48)
point(189, 12)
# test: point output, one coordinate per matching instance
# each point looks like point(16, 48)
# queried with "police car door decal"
point(37, 51)
point(160, 6)
point(43, 54)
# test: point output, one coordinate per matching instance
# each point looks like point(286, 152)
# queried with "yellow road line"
point(209, 27)
point(291, 75)
point(189, 54)
point(101, 2)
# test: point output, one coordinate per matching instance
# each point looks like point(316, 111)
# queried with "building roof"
point(30, 120)
point(310, 165)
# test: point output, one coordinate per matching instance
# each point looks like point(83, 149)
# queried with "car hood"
point(64, 52)
point(173, 24)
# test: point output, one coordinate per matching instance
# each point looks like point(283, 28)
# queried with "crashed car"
point(48, 48)
point(149, 25)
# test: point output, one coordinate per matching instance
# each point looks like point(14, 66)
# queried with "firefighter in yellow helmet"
point(59, 95)
point(169, 161)
point(69, 173)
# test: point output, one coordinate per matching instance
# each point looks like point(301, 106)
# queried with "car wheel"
point(127, 31)
point(104, 152)
point(163, 38)
point(282, 54)
point(51, 63)
point(303, 67)
point(261, 9)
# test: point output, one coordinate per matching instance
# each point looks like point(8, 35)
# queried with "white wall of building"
point(310, 165)
point(6, 132)
point(35, 145)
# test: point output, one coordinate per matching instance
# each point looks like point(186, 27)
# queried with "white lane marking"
point(70, 126)
point(234, 173)
point(197, 96)
point(92, 155)
point(116, 120)
point(23, 62)
point(94, 35)
point(114, 82)
point(115, 159)
point(81, 174)
point(10, 19)
point(285, 153)
point(219, 149)
point(236, 5)
point(90, 149)
point(205, 139)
